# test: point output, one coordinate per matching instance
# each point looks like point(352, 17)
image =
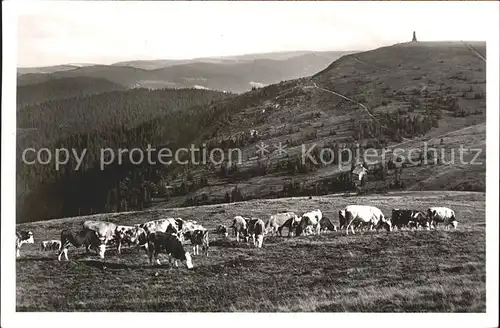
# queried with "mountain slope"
point(63, 88)
point(404, 92)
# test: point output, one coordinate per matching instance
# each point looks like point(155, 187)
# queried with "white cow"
point(276, 222)
point(437, 215)
point(355, 215)
point(310, 223)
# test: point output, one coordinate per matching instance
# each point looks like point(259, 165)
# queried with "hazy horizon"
point(103, 33)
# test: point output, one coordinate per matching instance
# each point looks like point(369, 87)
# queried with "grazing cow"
point(53, 245)
point(276, 221)
point(222, 231)
point(23, 237)
point(85, 237)
point(169, 244)
point(408, 218)
point(240, 226)
point(257, 229)
point(310, 219)
point(362, 214)
point(291, 224)
point(199, 238)
point(105, 231)
point(131, 235)
point(326, 224)
point(436, 215)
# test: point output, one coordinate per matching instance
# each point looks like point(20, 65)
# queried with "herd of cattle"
point(170, 235)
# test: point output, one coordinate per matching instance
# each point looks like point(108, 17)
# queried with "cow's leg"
point(156, 258)
point(65, 252)
point(350, 225)
point(237, 236)
point(150, 256)
point(119, 246)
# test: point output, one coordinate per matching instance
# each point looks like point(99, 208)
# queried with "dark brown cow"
point(85, 237)
point(170, 244)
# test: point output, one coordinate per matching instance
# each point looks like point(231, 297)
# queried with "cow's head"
point(222, 230)
point(342, 219)
point(26, 237)
point(386, 223)
point(395, 214)
point(431, 214)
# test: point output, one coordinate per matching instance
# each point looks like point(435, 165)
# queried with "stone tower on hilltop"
point(414, 37)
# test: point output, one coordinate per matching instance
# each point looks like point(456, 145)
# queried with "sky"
point(58, 32)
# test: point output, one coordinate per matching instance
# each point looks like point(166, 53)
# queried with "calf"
point(53, 245)
point(199, 238)
point(169, 244)
point(85, 237)
point(23, 237)
point(436, 215)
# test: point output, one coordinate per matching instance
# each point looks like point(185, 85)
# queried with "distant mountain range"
point(233, 73)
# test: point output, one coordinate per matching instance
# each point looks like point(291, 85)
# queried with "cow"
point(363, 214)
point(23, 237)
point(53, 245)
point(327, 225)
point(86, 237)
point(257, 229)
point(239, 227)
point(105, 231)
point(291, 224)
point(189, 227)
point(310, 219)
point(436, 215)
point(161, 225)
point(131, 235)
point(276, 221)
point(408, 218)
point(170, 244)
point(199, 238)
point(222, 231)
